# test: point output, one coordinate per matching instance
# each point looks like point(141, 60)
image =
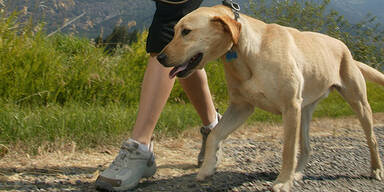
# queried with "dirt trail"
point(252, 157)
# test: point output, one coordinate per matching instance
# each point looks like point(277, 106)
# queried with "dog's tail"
point(370, 73)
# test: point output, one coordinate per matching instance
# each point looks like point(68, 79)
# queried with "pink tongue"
point(176, 70)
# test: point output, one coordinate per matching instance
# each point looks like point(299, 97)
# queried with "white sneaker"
point(125, 172)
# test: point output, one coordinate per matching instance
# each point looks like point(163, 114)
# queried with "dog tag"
point(231, 55)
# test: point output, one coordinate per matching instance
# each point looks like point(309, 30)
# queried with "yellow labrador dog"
point(278, 69)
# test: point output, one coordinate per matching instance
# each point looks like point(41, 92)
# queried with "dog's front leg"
point(235, 116)
point(291, 121)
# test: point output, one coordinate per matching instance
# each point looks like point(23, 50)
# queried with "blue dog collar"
point(231, 55)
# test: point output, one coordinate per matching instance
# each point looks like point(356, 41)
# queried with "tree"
point(119, 37)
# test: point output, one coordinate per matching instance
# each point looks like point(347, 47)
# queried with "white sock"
point(214, 123)
point(142, 147)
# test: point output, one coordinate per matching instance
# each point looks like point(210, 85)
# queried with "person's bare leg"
point(155, 91)
point(197, 89)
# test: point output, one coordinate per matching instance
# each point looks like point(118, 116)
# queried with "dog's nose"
point(162, 58)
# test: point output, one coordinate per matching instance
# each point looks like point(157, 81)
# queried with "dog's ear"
point(230, 25)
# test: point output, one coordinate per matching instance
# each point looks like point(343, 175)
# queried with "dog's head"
point(201, 36)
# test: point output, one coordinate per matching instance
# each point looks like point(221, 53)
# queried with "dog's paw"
point(378, 174)
point(282, 187)
point(298, 176)
point(201, 177)
point(203, 174)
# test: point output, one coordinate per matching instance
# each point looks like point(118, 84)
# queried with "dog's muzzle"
point(162, 58)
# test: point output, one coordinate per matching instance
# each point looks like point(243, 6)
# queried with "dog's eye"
point(185, 32)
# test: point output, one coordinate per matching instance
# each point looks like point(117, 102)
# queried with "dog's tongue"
point(176, 70)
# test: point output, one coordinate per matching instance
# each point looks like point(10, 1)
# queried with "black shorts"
point(165, 18)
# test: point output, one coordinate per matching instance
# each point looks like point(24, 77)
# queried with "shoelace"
point(125, 152)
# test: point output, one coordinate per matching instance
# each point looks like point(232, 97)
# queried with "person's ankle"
point(142, 147)
point(213, 123)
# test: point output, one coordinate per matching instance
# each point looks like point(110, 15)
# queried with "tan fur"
point(370, 74)
point(230, 25)
point(278, 69)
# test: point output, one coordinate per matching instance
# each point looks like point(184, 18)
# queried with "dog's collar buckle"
point(234, 6)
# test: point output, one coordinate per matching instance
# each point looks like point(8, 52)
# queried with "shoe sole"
point(104, 186)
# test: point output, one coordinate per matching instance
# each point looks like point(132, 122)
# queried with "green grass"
point(38, 70)
point(96, 125)
point(87, 126)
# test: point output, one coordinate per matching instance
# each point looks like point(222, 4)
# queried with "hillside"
point(103, 14)
point(355, 10)
point(98, 13)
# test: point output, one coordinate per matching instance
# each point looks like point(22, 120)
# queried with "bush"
point(35, 69)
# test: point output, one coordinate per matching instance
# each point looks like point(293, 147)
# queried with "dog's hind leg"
point(355, 93)
point(235, 116)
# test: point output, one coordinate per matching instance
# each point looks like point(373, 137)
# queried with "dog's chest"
point(253, 93)
point(243, 85)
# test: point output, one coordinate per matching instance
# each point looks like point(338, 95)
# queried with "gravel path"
point(252, 157)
